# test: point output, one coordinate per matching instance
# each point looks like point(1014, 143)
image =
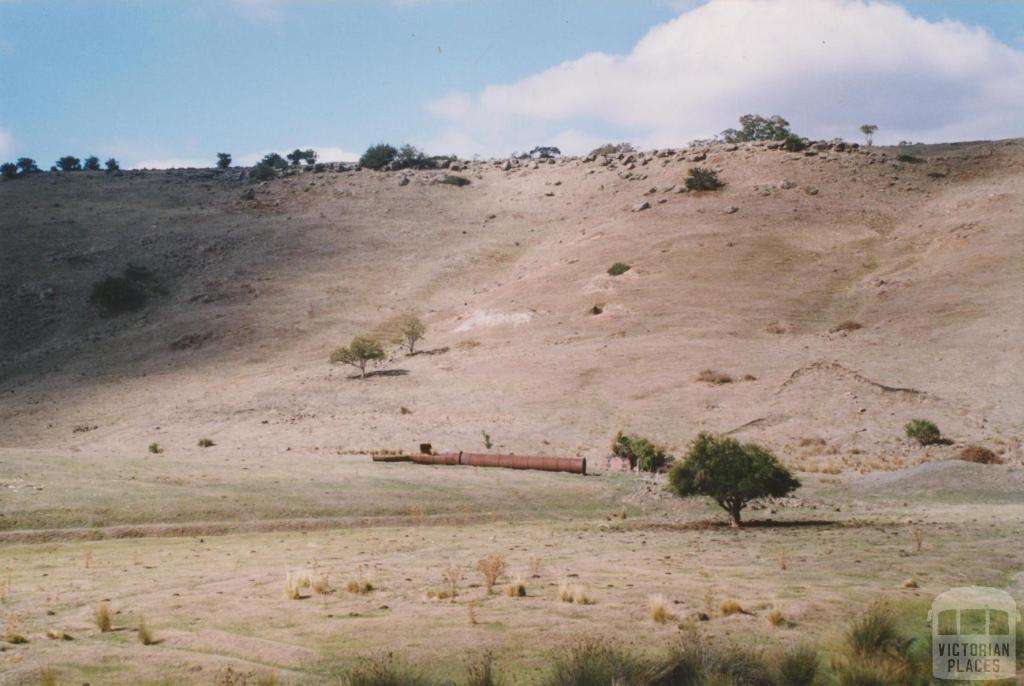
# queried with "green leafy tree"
point(411, 331)
point(91, 163)
point(703, 179)
point(869, 132)
point(640, 452)
point(730, 473)
point(754, 127)
point(923, 431)
point(223, 160)
point(378, 156)
point(297, 157)
point(27, 165)
point(274, 161)
point(359, 353)
point(9, 170)
point(112, 165)
point(69, 163)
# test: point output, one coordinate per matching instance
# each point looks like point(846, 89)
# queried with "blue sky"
point(175, 81)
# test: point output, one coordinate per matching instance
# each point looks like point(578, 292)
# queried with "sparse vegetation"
point(101, 616)
point(206, 443)
point(869, 132)
point(641, 453)
point(144, 635)
point(923, 431)
point(573, 592)
point(703, 179)
point(297, 582)
point(730, 473)
point(516, 588)
point(360, 352)
point(490, 569)
point(155, 448)
point(618, 269)
point(412, 331)
point(659, 609)
point(712, 377)
point(979, 455)
point(454, 180)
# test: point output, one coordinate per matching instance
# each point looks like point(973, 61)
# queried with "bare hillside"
point(531, 340)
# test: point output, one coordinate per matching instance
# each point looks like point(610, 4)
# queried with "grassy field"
point(217, 602)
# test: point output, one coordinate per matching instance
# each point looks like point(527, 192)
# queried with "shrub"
point(909, 159)
point(730, 473)
point(297, 157)
point(263, 172)
point(923, 431)
point(386, 671)
point(117, 295)
point(516, 588)
point(206, 443)
point(612, 149)
point(793, 143)
point(976, 453)
point(452, 180)
point(874, 634)
point(798, 666)
point(640, 453)
point(101, 615)
point(593, 663)
point(69, 163)
point(91, 163)
point(490, 568)
point(618, 269)
point(776, 618)
point(155, 448)
point(378, 156)
point(713, 377)
point(274, 161)
point(145, 636)
point(659, 609)
point(27, 165)
point(545, 152)
point(569, 592)
point(409, 157)
point(112, 165)
point(731, 607)
point(703, 179)
point(9, 170)
point(360, 352)
point(223, 160)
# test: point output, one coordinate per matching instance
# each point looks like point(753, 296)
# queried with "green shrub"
point(360, 352)
point(754, 127)
point(155, 448)
point(206, 443)
point(223, 160)
point(641, 453)
point(731, 474)
point(592, 663)
point(923, 431)
point(378, 156)
point(453, 180)
point(297, 157)
point(274, 161)
point(118, 294)
point(619, 268)
point(793, 143)
point(9, 170)
point(91, 163)
point(703, 179)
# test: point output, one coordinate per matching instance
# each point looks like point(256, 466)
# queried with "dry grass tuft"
point(144, 634)
point(490, 569)
point(516, 589)
point(569, 592)
point(979, 455)
point(101, 615)
point(712, 377)
point(848, 325)
point(910, 583)
point(48, 677)
point(363, 583)
point(659, 609)
point(58, 635)
point(295, 583)
point(731, 607)
point(775, 328)
point(917, 535)
point(451, 576)
point(12, 630)
point(535, 565)
point(471, 612)
point(206, 443)
point(783, 555)
point(776, 618)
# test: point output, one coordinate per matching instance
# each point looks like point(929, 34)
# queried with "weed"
point(206, 443)
point(731, 607)
point(155, 448)
point(490, 569)
point(487, 440)
point(618, 269)
point(712, 377)
point(516, 589)
point(101, 615)
point(144, 634)
point(923, 431)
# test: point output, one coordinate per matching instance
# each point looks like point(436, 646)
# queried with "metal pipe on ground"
point(572, 465)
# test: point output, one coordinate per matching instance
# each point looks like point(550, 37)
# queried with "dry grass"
point(783, 556)
point(776, 618)
point(712, 377)
point(775, 328)
point(295, 583)
point(471, 612)
point(571, 592)
point(145, 636)
point(12, 630)
point(659, 605)
point(846, 326)
point(101, 615)
point(516, 588)
point(917, 535)
point(535, 567)
point(979, 455)
point(490, 569)
point(730, 607)
point(910, 583)
point(48, 677)
point(451, 576)
point(363, 583)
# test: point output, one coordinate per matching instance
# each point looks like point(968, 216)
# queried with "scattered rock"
point(641, 206)
point(731, 209)
point(811, 190)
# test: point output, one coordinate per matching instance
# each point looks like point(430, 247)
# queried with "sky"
point(162, 83)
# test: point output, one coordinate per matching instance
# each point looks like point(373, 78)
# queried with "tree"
point(378, 156)
point(112, 165)
point(9, 170)
point(545, 152)
point(731, 474)
point(640, 453)
point(869, 131)
point(359, 353)
point(412, 330)
point(297, 157)
point(754, 127)
point(92, 163)
point(410, 157)
point(27, 165)
point(69, 163)
point(223, 160)
point(274, 161)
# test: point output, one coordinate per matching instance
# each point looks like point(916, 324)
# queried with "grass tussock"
point(571, 592)
point(362, 584)
point(12, 630)
point(776, 618)
point(799, 665)
point(516, 588)
point(101, 615)
point(206, 443)
point(295, 583)
point(490, 569)
point(386, 671)
point(145, 635)
point(155, 448)
point(595, 663)
point(659, 606)
point(715, 378)
point(731, 607)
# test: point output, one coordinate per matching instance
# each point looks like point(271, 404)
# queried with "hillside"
point(249, 296)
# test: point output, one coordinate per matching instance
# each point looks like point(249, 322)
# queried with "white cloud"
point(6, 142)
point(826, 65)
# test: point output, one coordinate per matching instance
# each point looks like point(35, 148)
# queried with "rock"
point(698, 157)
point(668, 188)
point(787, 184)
point(603, 160)
point(507, 166)
point(403, 180)
point(811, 190)
point(641, 206)
point(732, 147)
point(731, 209)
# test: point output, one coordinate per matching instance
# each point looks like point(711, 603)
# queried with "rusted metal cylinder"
point(441, 458)
point(573, 465)
point(392, 458)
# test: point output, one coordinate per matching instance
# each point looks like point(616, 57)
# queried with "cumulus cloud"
point(6, 142)
point(828, 66)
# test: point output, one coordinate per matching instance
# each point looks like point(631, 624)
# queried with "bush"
point(975, 453)
point(618, 269)
point(27, 165)
point(640, 453)
point(592, 663)
point(92, 163)
point(703, 179)
point(378, 156)
point(9, 170)
point(69, 163)
point(923, 431)
point(793, 143)
point(155, 448)
point(206, 443)
point(545, 152)
point(730, 473)
point(297, 157)
point(360, 352)
point(754, 127)
point(612, 149)
point(223, 160)
point(909, 159)
point(117, 295)
point(386, 671)
point(263, 172)
point(798, 666)
point(453, 180)
point(112, 165)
